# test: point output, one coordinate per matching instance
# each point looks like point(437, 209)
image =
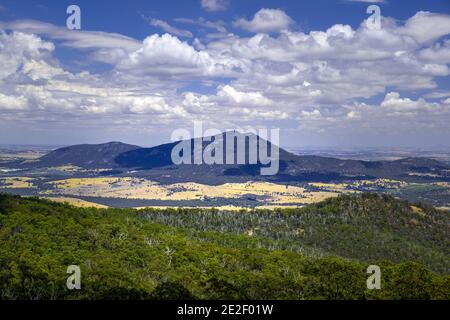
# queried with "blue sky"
point(125, 16)
point(140, 69)
point(122, 16)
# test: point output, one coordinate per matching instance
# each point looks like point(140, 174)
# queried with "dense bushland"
point(200, 254)
point(368, 227)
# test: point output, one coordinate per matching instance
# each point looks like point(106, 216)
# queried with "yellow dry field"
point(418, 211)
point(136, 188)
point(224, 208)
point(73, 169)
point(16, 182)
point(68, 168)
point(347, 187)
point(442, 184)
point(26, 155)
point(274, 207)
point(420, 174)
point(335, 187)
point(76, 202)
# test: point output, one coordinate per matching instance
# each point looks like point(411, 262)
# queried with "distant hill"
point(156, 163)
point(159, 156)
point(84, 155)
point(365, 227)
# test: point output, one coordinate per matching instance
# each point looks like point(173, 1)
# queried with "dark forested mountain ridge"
point(155, 161)
point(83, 155)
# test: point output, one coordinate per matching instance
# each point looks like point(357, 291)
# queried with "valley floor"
point(141, 192)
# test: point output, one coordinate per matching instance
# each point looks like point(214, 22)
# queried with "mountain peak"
point(85, 155)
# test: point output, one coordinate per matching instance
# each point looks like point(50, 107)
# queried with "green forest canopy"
point(321, 251)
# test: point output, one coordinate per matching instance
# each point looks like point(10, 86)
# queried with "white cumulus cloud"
point(214, 5)
point(266, 20)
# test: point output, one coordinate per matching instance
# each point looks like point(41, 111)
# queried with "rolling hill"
point(321, 251)
point(156, 163)
point(84, 155)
